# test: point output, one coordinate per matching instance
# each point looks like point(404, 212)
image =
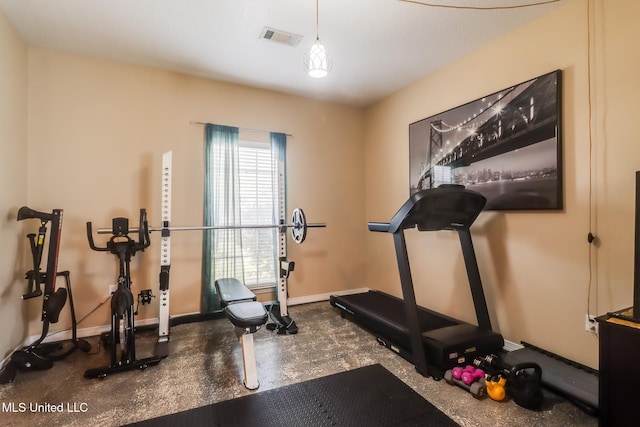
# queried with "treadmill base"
point(448, 342)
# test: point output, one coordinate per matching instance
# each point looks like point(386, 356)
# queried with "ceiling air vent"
point(280, 36)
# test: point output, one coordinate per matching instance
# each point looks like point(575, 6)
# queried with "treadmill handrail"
point(379, 226)
point(423, 210)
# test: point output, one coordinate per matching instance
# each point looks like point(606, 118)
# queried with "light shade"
point(317, 62)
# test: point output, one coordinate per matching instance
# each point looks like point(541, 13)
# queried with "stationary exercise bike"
point(39, 355)
point(122, 336)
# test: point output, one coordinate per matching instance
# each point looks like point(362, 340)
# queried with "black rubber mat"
point(368, 396)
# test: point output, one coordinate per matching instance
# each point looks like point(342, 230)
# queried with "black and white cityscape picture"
point(506, 145)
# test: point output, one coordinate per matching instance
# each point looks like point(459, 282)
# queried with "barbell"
point(298, 227)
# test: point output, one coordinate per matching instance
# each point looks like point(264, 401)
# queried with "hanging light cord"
point(446, 6)
point(593, 171)
point(317, 25)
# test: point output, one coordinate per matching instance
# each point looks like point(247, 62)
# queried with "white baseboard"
point(323, 297)
point(82, 332)
point(511, 346)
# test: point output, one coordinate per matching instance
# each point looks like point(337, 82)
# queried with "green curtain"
point(221, 249)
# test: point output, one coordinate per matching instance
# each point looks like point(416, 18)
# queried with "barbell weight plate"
point(299, 229)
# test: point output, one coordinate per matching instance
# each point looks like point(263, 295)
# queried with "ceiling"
point(377, 46)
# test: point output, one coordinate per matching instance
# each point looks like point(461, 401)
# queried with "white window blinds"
point(258, 204)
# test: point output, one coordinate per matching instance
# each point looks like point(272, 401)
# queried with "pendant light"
point(317, 62)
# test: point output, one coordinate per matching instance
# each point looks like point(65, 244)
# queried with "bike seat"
point(53, 304)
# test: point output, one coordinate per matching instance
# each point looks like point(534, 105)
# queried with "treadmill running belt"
point(390, 310)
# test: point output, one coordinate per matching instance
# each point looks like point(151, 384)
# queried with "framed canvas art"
point(506, 146)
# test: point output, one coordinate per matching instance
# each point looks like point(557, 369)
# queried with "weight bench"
point(247, 315)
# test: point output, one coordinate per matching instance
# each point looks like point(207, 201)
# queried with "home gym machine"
point(432, 341)
point(39, 355)
point(122, 334)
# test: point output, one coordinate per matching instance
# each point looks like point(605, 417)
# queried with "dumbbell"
point(458, 371)
point(468, 378)
point(468, 374)
point(471, 376)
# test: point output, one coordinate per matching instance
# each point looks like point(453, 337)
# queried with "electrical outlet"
point(112, 289)
point(590, 324)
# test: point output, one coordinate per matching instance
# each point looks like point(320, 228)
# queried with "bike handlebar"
point(143, 236)
point(143, 231)
point(90, 238)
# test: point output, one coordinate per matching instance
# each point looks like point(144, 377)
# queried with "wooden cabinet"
point(619, 388)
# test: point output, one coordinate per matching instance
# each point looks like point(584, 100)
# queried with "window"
point(258, 205)
point(242, 185)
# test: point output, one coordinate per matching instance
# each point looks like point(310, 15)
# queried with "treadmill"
point(433, 342)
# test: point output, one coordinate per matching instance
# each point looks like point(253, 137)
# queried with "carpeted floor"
point(205, 366)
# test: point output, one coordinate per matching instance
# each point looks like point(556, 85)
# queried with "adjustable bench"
point(247, 315)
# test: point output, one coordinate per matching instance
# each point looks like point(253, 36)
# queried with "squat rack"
point(298, 225)
point(298, 228)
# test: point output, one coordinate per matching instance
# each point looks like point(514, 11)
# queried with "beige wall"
point(13, 174)
point(535, 266)
point(97, 131)
point(617, 149)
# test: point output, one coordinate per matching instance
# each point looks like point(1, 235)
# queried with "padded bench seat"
point(232, 291)
point(246, 314)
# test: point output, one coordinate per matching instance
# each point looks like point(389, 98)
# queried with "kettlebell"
point(525, 385)
point(495, 389)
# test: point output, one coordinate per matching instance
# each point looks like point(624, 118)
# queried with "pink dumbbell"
point(458, 371)
point(469, 377)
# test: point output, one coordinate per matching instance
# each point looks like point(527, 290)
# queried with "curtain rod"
point(193, 122)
